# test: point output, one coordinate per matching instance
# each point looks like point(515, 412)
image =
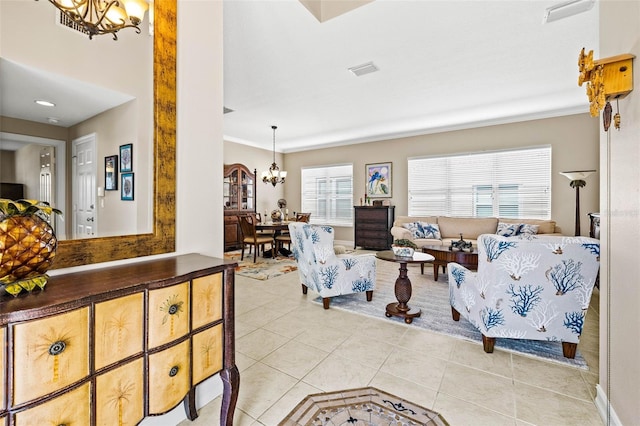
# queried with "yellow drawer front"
point(120, 395)
point(71, 409)
point(168, 314)
point(168, 378)
point(49, 354)
point(207, 300)
point(118, 329)
point(207, 353)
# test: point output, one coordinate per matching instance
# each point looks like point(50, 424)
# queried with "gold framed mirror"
point(162, 237)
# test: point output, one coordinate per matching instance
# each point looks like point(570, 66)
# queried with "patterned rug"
point(433, 299)
point(364, 406)
point(264, 268)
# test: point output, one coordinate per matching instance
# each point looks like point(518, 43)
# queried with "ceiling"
point(443, 65)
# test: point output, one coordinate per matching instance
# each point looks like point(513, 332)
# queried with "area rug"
point(433, 299)
point(364, 406)
point(264, 268)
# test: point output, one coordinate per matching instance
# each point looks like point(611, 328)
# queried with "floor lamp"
point(577, 181)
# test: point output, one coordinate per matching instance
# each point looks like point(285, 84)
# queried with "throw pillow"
point(423, 230)
point(431, 230)
point(508, 229)
point(528, 229)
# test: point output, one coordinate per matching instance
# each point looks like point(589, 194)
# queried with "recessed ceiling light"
point(52, 120)
point(44, 103)
point(363, 69)
point(566, 9)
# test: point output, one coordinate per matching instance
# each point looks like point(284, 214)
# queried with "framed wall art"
point(378, 180)
point(126, 188)
point(126, 158)
point(111, 173)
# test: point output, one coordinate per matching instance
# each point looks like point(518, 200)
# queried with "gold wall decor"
point(607, 78)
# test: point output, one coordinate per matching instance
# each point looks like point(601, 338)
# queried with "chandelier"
point(274, 176)
point(99, 17)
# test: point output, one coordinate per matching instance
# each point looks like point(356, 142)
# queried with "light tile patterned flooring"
point(288, 347)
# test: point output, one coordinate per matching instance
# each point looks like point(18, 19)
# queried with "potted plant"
point(403, 247)
point(27, 244)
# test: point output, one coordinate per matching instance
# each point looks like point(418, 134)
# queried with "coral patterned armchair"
point(321, 270)
point(527, 287)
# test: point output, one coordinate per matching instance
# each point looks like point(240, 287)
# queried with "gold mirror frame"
point(162, 238)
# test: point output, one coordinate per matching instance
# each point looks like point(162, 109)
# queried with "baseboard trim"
point(606, 411)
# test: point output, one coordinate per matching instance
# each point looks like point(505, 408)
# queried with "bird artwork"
point(377, 183)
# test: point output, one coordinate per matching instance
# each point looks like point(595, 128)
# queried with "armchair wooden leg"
point(304, 289)
point(325, 302)
point(569, 349)
point(488, 343)
point(369, 295)
point(455, 314)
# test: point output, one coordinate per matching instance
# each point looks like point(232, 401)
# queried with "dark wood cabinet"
point(239, 193)
point(372, 227)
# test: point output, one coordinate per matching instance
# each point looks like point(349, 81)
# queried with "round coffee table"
point(403, 284)
point(443, 255)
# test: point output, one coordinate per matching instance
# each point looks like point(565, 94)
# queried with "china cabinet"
point(111, 346)
point(239, 196)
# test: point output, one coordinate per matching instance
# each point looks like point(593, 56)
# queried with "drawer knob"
point(173, 371)
point(173, 309)
point(57, 348)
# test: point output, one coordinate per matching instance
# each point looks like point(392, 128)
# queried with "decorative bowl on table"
point(403, 251)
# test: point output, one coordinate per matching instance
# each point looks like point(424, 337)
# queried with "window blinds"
point(327, 192)
point(515, 184)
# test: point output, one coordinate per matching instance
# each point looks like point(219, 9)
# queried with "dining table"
point(277, 227)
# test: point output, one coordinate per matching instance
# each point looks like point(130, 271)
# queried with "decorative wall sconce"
point(607, 79)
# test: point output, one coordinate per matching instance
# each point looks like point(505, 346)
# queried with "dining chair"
point(285, 238)
point(251, 237)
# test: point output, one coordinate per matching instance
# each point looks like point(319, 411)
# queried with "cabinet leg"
point(231, 384)
point(190, 404)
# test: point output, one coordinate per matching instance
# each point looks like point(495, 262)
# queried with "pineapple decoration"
point(27, 244)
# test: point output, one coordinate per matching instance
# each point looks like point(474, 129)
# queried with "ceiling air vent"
point(363, 69)
point(64, 21)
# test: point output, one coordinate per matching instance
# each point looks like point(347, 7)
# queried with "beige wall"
point(574, 142)
point(259, 159)
point(620, 205)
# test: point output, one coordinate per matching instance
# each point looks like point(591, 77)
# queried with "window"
point(513, 184)
point(327, 193)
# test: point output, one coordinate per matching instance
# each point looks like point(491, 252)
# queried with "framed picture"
point(378, 180)
point(126, 190)
point(111, 173)
point(126, 158)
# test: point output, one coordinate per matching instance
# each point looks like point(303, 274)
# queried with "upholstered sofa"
point(527, 287)
point(422, 231)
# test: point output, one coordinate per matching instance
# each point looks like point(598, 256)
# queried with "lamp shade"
point(578, 174)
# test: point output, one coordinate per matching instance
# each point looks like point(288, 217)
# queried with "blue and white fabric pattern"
point(527, 287)
point(324, 272)
point(508, 229)
point(423, 230)
point(527, 229)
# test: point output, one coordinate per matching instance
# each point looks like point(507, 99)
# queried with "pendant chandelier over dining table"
point(97, 17)
point(274, 175)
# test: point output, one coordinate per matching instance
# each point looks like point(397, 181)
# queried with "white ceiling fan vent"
point(363, 69)
point(64, 21)
point(566, 9)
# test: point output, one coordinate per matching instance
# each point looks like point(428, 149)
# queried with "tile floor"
point(288, 347)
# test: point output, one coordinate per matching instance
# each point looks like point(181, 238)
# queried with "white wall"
point(620, 229)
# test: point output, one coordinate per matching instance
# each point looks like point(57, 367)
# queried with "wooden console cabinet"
point(111, 346)
point(373, 227)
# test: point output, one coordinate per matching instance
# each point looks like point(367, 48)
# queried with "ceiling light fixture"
point(363, 69)
point(42, 102)
point(274, 176)
point(566, 9)
point(99, 17)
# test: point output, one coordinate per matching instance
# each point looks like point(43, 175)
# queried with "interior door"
point(85, 218)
